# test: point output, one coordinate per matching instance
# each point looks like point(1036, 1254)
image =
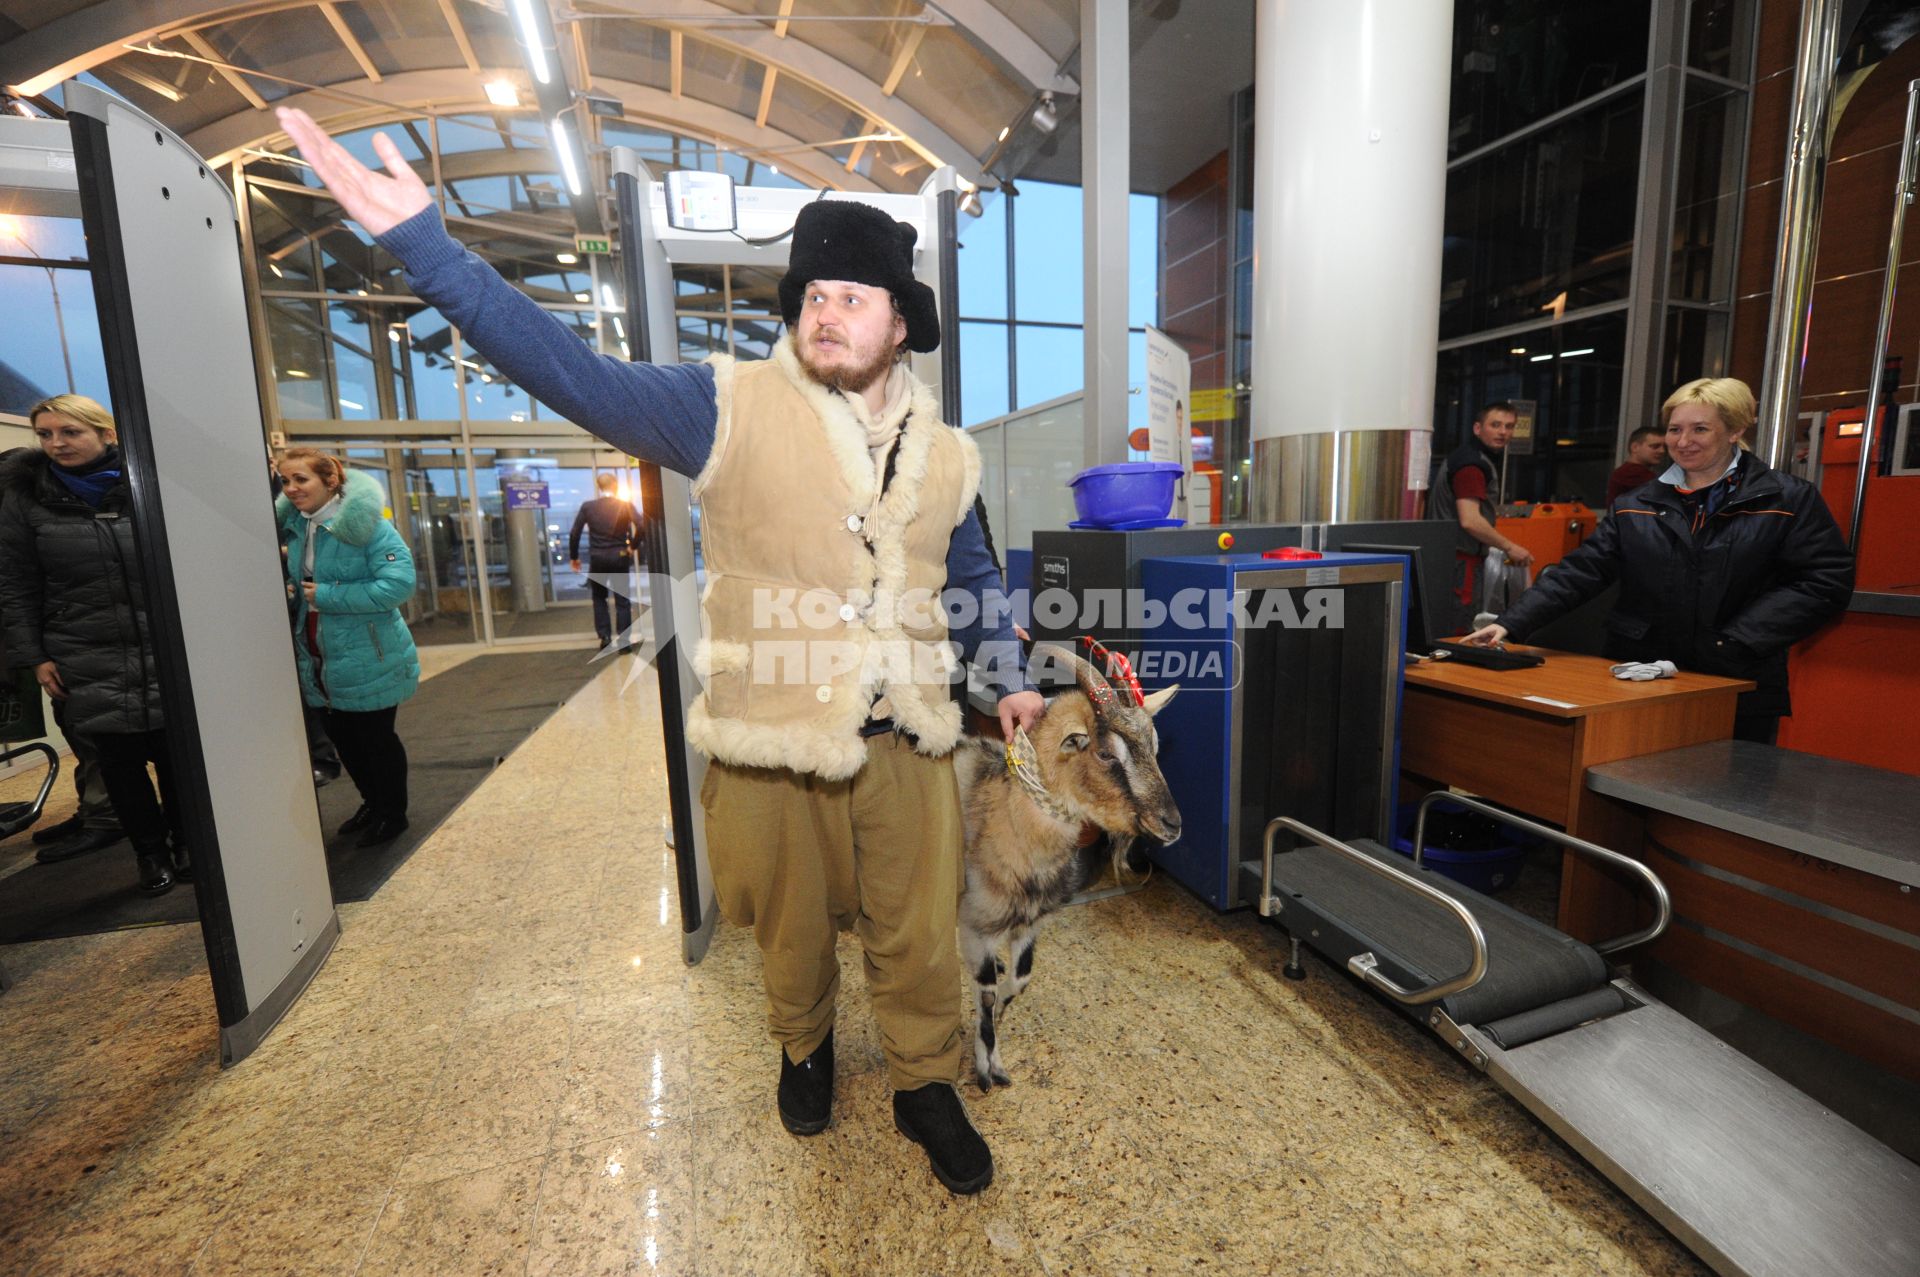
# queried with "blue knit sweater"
point(664, 413)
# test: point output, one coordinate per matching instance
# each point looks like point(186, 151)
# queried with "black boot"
point(806, 1090)
point(78, 843)
point(381, 829)
point(57, 833)
point(358, 821)
point(932, 1117)
point(182, 865)
point(156, 874)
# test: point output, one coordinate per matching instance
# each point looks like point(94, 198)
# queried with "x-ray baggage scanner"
point(658, 229)
point(1751, 1174)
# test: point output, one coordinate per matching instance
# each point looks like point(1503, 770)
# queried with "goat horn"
point(1115, 661)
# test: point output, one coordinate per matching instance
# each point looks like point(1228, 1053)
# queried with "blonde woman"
point(73, 599)
point(1723, 562)
point(356, 659)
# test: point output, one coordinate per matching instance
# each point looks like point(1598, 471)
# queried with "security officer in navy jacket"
point(613, 533)
point(1723, 562)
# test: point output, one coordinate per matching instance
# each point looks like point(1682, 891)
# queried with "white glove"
point(1644, 671)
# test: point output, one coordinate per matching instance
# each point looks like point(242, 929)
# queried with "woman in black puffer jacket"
point(74, 603)
point(1723, 563)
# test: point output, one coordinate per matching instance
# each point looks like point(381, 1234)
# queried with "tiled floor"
point(506, 1067)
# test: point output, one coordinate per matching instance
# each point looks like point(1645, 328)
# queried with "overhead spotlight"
point(583, 297)
point(566, 259)
point(970, 204)
point(1046, 117)
point(503, 93)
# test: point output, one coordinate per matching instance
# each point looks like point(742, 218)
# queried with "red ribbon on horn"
point(1113, 661)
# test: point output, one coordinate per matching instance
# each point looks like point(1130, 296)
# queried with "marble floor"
point(506, 1067)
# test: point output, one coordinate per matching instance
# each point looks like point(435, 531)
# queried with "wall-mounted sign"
point(591, 244)
point(524, 495)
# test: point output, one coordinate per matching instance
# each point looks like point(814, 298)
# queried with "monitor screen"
point(1419, 628)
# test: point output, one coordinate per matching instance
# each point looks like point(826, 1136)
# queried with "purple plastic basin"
point(1124, 492)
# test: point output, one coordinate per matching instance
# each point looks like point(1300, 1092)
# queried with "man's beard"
point(848, 379)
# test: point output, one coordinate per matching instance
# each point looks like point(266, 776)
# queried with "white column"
point(1106, 141)
point(1349, 195)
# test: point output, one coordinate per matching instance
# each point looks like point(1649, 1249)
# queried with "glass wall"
point(1556, 162)
point(1022, 300)
point(50, 335)
point(363, 367)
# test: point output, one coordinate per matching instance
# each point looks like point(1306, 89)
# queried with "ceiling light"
point(1003, 133)
point(357, 407)
point(1517, 350)
point(503, 93)
point(583, 297)
point(566, 259)
point(970, 203)
point(619, 329)
point(298, 372)
point(275, 268)
point(1539, 359)
point(606, 297)
point(624, 352)
point(1045, 117)
point(530, 37)
point(393, 335)
point(1569, 354)
point(563, 147)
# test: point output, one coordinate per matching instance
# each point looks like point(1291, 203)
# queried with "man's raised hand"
point(378, 203)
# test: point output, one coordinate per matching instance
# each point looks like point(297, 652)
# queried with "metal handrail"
point(1663, 908)
point(39, 803)
point(1366, 965)
point(1883, 328)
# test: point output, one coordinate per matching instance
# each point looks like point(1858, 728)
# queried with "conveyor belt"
point(1529, 964)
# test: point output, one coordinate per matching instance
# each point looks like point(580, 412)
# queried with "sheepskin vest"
point(821, 608)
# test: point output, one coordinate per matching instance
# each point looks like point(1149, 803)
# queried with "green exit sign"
point(588, 244)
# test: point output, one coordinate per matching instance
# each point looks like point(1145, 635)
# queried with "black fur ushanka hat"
point(845, 239)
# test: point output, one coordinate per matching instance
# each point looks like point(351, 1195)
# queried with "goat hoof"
point(1001, 1079)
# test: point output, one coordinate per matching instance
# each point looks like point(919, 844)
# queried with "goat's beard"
point(848, 379)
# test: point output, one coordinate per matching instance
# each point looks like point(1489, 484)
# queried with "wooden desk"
point(1525, 738)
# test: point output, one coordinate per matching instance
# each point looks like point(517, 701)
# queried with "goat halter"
point(1023, 764)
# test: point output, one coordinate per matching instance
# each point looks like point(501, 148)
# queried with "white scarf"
point(321, 515)
point(884, 427)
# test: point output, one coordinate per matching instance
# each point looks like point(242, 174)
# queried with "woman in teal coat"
point(356, 659)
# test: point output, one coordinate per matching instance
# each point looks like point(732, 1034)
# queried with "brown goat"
point(1090, 760)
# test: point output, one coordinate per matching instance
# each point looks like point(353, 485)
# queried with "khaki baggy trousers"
point(798, 858)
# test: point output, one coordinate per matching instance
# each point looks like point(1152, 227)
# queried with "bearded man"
point(824, 473)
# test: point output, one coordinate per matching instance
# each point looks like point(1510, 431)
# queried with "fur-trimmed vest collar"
point(362, 506)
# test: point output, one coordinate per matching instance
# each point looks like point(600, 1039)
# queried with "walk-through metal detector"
point(163, 244)
point(1745, 1169)
point(649, 249)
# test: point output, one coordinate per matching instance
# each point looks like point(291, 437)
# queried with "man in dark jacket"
point(1463, 494)
point(93, 824)
point(1646, 458)
point(612, 536)
point(1719, 577)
